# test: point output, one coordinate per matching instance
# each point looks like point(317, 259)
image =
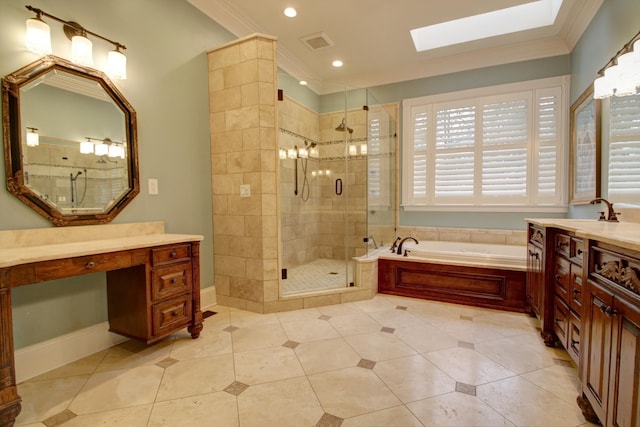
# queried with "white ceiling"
point(372, 36)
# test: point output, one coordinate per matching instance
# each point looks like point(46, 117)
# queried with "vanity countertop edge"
point(625, 234)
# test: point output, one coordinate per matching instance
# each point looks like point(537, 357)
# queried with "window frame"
point(478, 97)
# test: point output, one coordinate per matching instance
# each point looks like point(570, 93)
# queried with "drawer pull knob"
point(608, 310)
point(561, 244)
point(574, 342)
point(577, 292)
point(90, 264)
point(557, 320)
point(579, 251)
point(173, 255)
point(174, 313)
point(174, 281)
point(559, 276)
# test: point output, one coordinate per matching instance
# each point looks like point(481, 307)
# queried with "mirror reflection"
point(70, 145)
point(65, 110)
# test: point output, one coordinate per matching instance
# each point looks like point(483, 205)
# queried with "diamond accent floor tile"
point(329, 420)
point(291, 344)
point(401, 307)
point(236, 387)
point(387, 329)
point(59, 419)
point(167, 362)
point(231, 328)
point(324, 317)
point(367, 364)
point(466, 388)
point(463, 317)
point(465, 344)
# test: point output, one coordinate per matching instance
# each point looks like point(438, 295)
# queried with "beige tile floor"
point(389, 361)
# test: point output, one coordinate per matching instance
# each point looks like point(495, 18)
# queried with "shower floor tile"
point(317, 275)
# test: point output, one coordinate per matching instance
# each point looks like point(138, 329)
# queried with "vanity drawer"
point(562, 278)
point(577, 250)
point(167, 254)
point(55, 269)
point(172, 280)
point(563, 243)
point(575, 302)
point(171, 315)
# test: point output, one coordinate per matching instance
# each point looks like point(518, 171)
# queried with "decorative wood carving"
point(537, 236)
point(621, 273)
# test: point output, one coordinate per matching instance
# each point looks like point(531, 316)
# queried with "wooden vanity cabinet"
point(149, 313)
point(611, 355)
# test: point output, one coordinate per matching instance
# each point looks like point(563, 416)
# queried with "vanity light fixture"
point(33, 139)
point(292, 153)
point(38, 40)
point(303, 153)
point(38, 36)
point(102, 147)
point(363, 149)
point(621, 75)
point(353, 151)
point(282, 153)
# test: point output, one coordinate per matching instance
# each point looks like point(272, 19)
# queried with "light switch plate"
point(153, 186)
point(245, 190)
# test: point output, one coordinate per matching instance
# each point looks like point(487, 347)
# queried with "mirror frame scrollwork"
point(13, 144)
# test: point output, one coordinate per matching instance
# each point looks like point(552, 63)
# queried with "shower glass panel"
point(322, 189)
point(382, 216)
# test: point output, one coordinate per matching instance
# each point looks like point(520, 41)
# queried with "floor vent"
point(317, 41)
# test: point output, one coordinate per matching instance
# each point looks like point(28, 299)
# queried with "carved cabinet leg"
point(9, 398)
point(587, 410)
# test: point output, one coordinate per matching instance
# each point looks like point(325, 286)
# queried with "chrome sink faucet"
point(399, 252)
point(612, 216)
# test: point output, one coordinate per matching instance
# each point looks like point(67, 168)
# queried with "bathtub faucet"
point(612, 216)
point(399, 252)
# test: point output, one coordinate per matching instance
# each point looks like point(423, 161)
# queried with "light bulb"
point(38, 36)
point(117, 65)
point(86, 147)
point(33, 139)
point(101, 149)
point(82, 51)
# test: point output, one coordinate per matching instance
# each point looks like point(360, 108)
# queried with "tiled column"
point(242, 102)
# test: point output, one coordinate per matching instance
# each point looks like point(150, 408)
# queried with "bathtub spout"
point(399, 252)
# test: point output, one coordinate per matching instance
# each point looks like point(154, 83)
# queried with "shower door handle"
point(339, 187)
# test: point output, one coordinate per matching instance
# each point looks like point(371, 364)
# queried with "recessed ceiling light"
point(290, 12)
point(526, 16)
point(337, 63)
point(303, 82)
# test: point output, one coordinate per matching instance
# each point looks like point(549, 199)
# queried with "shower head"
point(343, 126)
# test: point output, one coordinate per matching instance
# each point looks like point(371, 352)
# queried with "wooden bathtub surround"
point(586, 292)
point(476, 286)
point(153, 282)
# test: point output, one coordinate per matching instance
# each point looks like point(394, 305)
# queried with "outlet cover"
point(245, 190)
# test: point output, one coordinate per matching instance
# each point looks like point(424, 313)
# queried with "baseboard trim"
point(44, 356)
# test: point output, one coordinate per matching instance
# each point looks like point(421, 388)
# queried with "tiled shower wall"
point(242, 93)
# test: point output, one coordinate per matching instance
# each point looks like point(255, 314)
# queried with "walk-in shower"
point(324, 192)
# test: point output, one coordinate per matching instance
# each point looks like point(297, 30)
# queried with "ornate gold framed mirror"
point(70, 142)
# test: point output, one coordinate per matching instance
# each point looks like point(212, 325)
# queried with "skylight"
point(498, 22)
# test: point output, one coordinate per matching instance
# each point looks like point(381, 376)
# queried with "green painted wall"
point(167, 85)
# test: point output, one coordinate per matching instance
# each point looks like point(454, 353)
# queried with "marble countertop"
point(624, 234)
point(11, 256)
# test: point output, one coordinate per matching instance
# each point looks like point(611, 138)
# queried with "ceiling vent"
point(317, 41)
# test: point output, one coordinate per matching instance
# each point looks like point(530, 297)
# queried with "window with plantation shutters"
point(624, 149)
point(500, 147)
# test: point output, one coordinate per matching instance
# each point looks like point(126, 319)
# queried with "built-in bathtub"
point(477, 274)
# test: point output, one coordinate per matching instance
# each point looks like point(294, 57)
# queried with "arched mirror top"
point(70, 142)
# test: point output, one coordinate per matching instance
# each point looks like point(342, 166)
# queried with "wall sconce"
point(621, 75)
point(38, 40)
point(102, 147)
point(33, 139)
